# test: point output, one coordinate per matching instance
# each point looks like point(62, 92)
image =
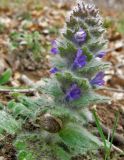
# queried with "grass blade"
point(100, 129)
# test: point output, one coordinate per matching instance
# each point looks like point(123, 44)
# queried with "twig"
point(119, 65)
point(111, 89)
point(95, 132)
point(111, 74)
point(26, 91)
point(118, 139)
point(26, 80)
point(117, 149)
point(114, 49)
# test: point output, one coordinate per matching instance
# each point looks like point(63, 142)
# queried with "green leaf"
point(28, 107)
point(78, 139)
point(87, 53)
point(67, 78)
point(34, 104)
point(1, 106)
point(67, 49)
point(34, 144)
point(60, 153)
point(15, 37)
point(23, 146)
point(58, 62)
point(25, 155)
point(29, 39)
point(64, 113)
point(20, 145)
point(1, 131)
point(51, 87)
point(94, 66)
point(8, 123)
point(20, 109)
point(4, 78)
point(96, 46)
point(89, 98)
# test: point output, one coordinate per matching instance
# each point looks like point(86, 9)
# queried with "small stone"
point(45, 31)
point(122, 109)
point(50, 123)
point(120, 128)
point(42, 23)
point(2, 158)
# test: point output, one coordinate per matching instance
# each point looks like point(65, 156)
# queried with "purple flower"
point(80, 36)
point(80, 60)
point(98, 79)
point(54, 70)
point(101, 54)
point(73, 93)
point(54, 49)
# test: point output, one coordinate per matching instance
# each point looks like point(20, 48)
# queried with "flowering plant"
point(59, 114)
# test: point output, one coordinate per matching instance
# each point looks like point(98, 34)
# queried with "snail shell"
point(50, 123)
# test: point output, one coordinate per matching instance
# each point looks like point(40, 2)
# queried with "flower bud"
point(80, 36)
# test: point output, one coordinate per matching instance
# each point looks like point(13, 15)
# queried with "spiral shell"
point(50, 123)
